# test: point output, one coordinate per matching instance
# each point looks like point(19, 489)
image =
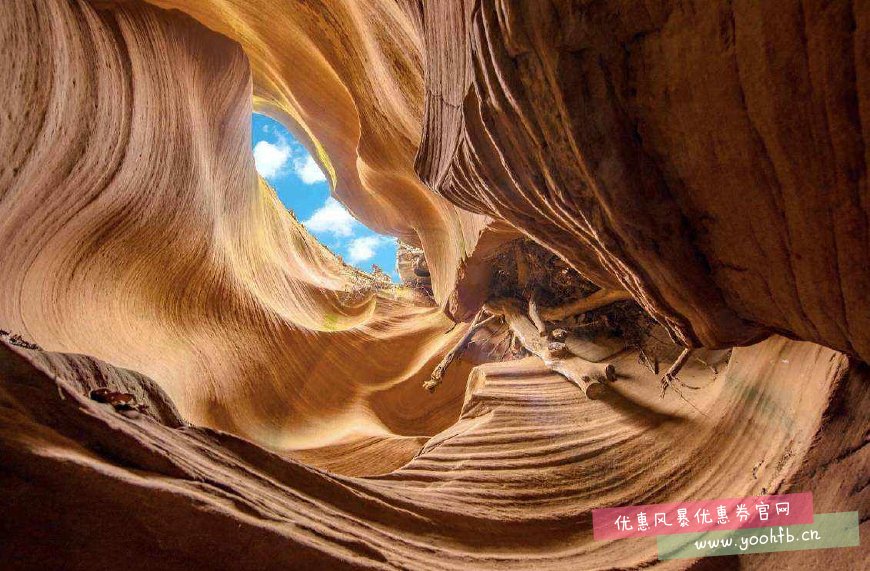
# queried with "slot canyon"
point(634, 259)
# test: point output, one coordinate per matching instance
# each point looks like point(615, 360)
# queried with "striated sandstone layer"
point(708, 157)
point(509, 485)
point(134, 229)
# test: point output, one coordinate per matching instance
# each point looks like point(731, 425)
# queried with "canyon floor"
point(634, 262)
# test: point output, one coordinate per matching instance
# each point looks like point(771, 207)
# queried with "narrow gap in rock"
point(303, 188)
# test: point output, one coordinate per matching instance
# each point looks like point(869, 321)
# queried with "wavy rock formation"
point(708, 158)
point(510, 484)
point(233, 297)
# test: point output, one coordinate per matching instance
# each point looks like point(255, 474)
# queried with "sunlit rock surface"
point(708, 158)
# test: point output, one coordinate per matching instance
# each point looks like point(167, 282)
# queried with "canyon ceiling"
point(707, 157)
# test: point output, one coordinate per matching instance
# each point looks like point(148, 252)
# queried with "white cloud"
point(270, 158)
point(307, 170)
point(331, 218)
point(364, 248)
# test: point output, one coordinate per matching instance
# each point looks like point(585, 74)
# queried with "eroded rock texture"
point(708, 157)
point(135, 230)
point(510, 484)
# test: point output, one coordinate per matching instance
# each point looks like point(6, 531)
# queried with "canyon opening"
point(443, 284)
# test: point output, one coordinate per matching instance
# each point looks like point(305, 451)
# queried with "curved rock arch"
point(135, 231)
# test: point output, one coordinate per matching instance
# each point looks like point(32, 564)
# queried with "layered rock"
point(708, 158)
point(135, 230)
point(510, 485)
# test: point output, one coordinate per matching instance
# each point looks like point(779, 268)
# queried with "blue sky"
point(302, 187)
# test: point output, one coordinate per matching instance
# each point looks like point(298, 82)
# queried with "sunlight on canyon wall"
point(709, 159)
